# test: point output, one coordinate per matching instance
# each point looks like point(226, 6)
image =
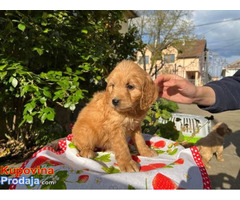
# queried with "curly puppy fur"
point(115, 114)
point(213, 143)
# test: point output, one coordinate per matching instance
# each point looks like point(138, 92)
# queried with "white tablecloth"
point(174, 168)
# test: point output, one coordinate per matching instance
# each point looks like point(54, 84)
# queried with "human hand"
point(176, 88)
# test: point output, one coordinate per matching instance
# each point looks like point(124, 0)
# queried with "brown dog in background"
point(115, 114)
point(213, 143)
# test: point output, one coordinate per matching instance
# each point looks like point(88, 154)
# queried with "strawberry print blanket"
point(174, 168)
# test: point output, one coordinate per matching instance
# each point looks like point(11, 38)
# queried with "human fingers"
point(164, 78)
point(175, 82)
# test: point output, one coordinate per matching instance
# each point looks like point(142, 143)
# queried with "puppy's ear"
point(149, 93)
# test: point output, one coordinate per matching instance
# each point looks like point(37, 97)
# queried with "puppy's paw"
point(148, 153)
point(87, 153)
point(220, 159)
point(130, 166)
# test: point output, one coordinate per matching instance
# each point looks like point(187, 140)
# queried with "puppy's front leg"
point(120, 148)
point(141, 146)
point(219, 154)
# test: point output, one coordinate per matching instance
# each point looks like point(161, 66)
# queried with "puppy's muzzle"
point(115, 102)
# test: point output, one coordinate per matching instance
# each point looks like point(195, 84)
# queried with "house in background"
point(148, 58)
point(187, 59)
point(231, 69)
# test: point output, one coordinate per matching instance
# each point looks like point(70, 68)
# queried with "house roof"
point(131, 14)
point(234, 65)
point(191, 48)
point(186, 49)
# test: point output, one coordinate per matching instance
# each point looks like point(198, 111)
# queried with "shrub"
point(151, 124)
point(51, 60)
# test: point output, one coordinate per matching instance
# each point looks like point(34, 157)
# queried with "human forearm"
point(205, 96)
point(227, 92)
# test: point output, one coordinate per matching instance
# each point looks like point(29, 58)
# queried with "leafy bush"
point(51, 60)
point(151, 124)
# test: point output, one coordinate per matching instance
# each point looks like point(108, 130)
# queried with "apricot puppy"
point(115, 114)
point(213, 143)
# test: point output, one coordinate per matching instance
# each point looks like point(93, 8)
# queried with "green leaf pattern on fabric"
point(111, 170)
point(103, 158)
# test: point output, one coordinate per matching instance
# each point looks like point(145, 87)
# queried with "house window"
point(146, 60)
point(169, 58)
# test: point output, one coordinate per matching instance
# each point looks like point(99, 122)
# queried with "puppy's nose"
point(115, 102)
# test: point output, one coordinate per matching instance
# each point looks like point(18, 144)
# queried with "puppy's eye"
point(112, 85)
point(130, 87)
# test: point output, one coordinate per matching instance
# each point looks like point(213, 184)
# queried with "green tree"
point(51, 60)
point(161, 28)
